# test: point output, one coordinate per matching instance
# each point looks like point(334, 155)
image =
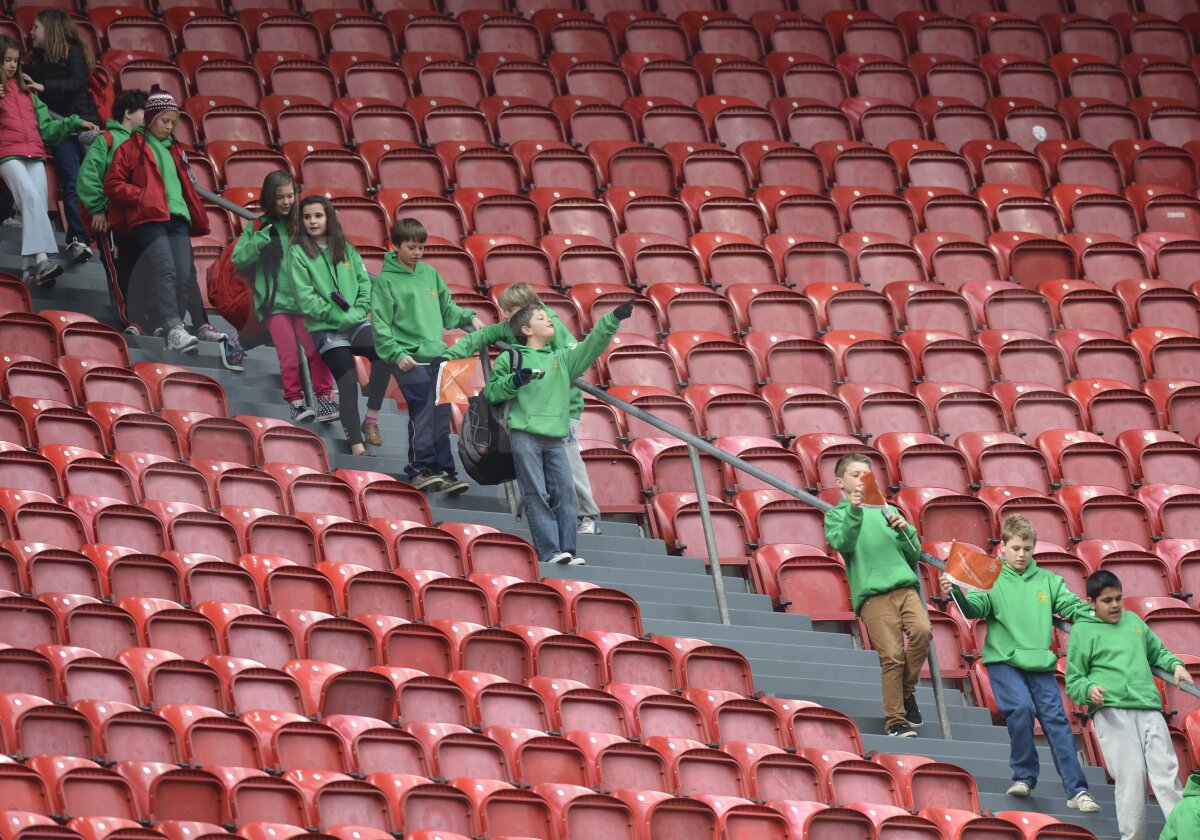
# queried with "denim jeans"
point(1021, 696)
point(548, 490)
point(67, 157)
point(428, 424)
point(165, 271)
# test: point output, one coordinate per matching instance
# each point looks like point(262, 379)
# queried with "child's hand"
point(1183, 675)
point(897, 522)
point(522, 377)
point(31, 84)
point(100, 224)
point(946, 584)
point(406, 364)
point(856, 498)
point(89, 126)
point(625, 310)
point(477, 324)
point(1096, 695)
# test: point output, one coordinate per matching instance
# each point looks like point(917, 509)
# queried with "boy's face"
point(852, 478)
point(540, 326)
point(1109, 605)
point(164, 124)
point(409, 252)
point(1016, 553)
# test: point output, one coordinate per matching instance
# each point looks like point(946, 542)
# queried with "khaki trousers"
point(889, 617)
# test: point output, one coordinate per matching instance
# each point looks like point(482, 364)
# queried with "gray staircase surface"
point(789, 657)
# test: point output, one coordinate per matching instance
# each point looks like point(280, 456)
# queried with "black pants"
point(340, 361)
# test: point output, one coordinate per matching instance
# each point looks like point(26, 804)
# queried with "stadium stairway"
point(788, 656)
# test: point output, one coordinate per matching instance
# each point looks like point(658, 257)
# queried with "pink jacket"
point(19, 132)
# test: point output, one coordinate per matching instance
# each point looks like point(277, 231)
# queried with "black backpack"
point(483, 441)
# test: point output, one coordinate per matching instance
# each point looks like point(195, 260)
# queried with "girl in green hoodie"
point(331, 287)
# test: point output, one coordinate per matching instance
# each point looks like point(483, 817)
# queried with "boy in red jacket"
point(151, 197)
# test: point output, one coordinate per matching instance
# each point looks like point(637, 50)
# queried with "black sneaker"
point(453, 484)
point(902, 730)
point(911, 713)
point(427, 480)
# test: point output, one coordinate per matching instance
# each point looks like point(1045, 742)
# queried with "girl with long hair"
point(333, 290)
point(25, 128)
point(60, 67)
point(259, 252)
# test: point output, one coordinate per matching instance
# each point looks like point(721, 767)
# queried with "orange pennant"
point(871, 496)
point(971, 568)
point(459, 380)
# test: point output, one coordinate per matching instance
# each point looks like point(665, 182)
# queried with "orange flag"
point(871, 495)
point(459, 380)
point(972, 569)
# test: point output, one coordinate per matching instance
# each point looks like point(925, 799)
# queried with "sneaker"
point(208, 332)
point(587, 525)
point(78, 251)
point(902, 730)
point(45, 272)
point(453, 484)
point(371, 433)
point(563, 558)
point(133, 329)
point(1022, 789)
point(232, 355)
point(426, 480)
point(576, 561)
point(911, 713)
point(13, 221)
point(300, 411)
point(180, 340)
point(327, 409)
point(1085, 802)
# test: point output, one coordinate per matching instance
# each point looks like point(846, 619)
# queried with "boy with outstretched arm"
point(1109, 657)
point(539, 397)
point(516, 297)
point(1020, 609)
point(881, 552)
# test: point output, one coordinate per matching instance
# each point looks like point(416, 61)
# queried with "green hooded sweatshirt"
point(246, 255)
point(95, 164)
point(313, 280)
point(411, 309)
point(878, 558)
point(176, 205)
point(1118, 657)
point(472, 343)
point(1020, 609)
point(543, 406)
point(1184, 823)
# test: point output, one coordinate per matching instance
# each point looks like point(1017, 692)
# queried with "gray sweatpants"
point(1137, 747)
point(583, 485)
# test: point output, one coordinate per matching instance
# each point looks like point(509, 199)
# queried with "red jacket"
point(20, 135)
point(135, 190)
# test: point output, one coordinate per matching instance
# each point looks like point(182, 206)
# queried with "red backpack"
point(232, 292)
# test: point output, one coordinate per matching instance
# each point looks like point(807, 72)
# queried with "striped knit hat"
point(158, 102)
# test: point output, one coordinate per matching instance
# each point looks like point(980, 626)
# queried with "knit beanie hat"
point(158, 102)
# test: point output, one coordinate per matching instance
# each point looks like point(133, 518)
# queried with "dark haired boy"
point(881, 552)
point(539, 398)
point(411, 309)
point(1109, 657)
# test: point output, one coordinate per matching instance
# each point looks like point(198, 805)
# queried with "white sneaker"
point(1084, 802)
point(587, 525)
point(1020, 789)
point(576, 561)
point(562, 558)
point(180, 340)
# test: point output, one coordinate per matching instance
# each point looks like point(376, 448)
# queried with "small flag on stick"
point(972, 569)
point(459, 380)
point(871, 495)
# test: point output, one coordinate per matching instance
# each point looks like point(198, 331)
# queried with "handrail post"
point(710, 539)
point(935, 673)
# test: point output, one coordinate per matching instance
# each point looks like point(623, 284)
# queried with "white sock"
point(39, 257)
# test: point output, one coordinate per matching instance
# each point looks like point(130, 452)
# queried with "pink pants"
point(285, 331)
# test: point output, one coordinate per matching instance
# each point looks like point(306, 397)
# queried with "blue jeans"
point(428, 424)
point(67, 156)
point(1021, 696)
point(548, 490)
point(165, 275)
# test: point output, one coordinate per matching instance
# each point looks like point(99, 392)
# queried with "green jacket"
point(472, 343)
point(411, 310)
point(1184, 823)
point(172, 186)
point(246, 254)
point(1020, 610)
point(1118, 657)
point(543, 406)
point(878, 558)
point(313, 279)
point(94, 166)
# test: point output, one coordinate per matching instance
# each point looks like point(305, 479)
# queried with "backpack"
point(231, 292)
point(484, 446)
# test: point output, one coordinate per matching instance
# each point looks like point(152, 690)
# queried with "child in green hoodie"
point(1184, 823)
point(411, 309)
point(1020, 609)
point(1109, 657)
point(539, 397)
point(514, 298)
point(881, 550)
